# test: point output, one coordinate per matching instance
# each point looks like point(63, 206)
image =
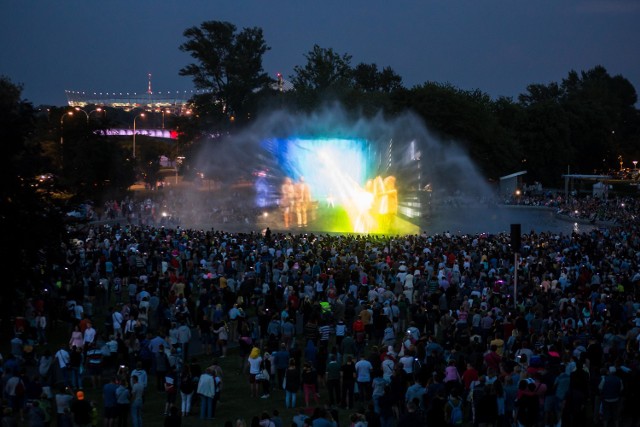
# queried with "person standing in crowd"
point(63, 399)
point(110, 402)
point(332, 380)
point(81, 410)
point(186, 390)
point(88, 336)
point(310, 383)
point(206, 391)
point(75, 365)
point(123, 397)
point(41, 328)
point(137, 400)
point(63, 360)
point(611, 388)
point(222, 332)
point(170, 389)
point(205, 330)
point(255, 361)
point(162, 367)
point(184, 337)
point(363, 377)
point(280, 363)
point(139, 372)
point(291, 384)
point(348, 373)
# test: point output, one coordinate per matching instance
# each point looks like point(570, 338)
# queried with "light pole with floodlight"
point(85, 113)
point(99, 110)
point(167, 111)
point(134, 133)
point(68, 113)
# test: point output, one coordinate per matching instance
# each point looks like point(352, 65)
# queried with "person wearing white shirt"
point(63, 358)
point(207, 391)
point(141, 374)
point(363, 377)
point(41, 327)
point(184, 336)
point(89, 335)
point(116, 319)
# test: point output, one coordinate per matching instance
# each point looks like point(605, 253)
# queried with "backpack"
point(456, 418)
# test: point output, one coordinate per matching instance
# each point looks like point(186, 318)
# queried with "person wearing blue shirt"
point(110, 402)
point(416, 390)
point(363, 378)
point(281, 362)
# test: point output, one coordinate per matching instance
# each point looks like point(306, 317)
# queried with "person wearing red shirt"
point(469, 376)
point(492, 359)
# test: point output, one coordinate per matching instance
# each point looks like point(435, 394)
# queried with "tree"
point(325, 69)
point(228, 65)
point(368, 78)
point(31, 224)
point(586, 122)
point(602, 117)
point(97, 164)
point(328, 76)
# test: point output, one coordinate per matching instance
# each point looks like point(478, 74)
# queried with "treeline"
point(587, 123)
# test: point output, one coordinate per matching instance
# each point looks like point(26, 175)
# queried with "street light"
point(85, 113)
point(99, 110)
point(134, 133)
point(68, 113)
point(163, 113)
point(635, 165)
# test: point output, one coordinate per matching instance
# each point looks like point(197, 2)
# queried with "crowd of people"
point(346, 329)
point(608, 210)
point(171, 208)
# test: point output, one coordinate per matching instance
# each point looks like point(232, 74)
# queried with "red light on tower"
point(280, 82)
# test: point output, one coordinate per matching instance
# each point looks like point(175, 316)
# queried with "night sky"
point(495, 46)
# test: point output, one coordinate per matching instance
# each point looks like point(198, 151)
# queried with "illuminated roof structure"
point(176, 102)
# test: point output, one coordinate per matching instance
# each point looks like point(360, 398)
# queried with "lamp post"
point(635, 165)
point(99, 110)
point(85, 113)
point(134, 133)
point(163, 113)
point(68, 113)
